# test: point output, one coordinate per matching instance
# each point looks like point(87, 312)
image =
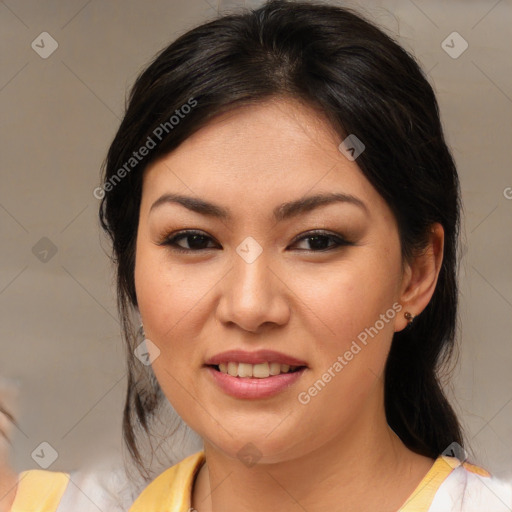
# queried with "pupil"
point(319, 242)
point(196, 238)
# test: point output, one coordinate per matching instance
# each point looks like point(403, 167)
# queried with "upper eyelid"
point(184, 233)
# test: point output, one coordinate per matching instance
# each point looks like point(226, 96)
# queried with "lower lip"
point(253, 388)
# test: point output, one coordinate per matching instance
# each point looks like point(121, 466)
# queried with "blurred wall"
point(65, 70)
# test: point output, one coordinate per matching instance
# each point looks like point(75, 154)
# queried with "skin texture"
point(303, 302)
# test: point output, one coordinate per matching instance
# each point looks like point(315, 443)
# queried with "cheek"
point(354, 328)
point(174, 308)
point(164, 298)
point(165, 293)
point(352, 296)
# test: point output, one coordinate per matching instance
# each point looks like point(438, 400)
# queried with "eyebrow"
point(282, 212)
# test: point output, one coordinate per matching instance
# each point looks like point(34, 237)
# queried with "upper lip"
point(257, 357)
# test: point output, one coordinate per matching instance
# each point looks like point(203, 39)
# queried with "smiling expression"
point(257, 234)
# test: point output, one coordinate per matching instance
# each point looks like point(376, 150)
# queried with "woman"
point(284, 215)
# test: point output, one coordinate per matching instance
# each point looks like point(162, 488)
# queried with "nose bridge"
point(251, 280)
point(252, 296)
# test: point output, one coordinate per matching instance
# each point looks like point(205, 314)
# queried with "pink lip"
point(257, 357)
point(253, 388)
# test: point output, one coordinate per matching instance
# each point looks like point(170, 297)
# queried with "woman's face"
point(267, 266)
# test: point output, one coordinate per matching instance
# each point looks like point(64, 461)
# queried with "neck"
point(367, 467)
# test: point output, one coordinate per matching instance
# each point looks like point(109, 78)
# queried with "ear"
point(420, 276)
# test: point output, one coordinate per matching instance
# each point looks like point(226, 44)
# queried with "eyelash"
point(171, 241)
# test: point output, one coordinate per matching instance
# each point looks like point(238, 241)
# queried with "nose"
point(253, 296)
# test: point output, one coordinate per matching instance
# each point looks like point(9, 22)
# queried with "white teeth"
point(275, 368)
point(244, 370)
point(233, 369)
point(259, 371)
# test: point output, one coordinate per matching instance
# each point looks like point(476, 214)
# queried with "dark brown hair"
point(365, 84)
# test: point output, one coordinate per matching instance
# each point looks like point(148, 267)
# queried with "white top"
point(466, 491)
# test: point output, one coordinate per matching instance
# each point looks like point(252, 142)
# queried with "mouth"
point(259, 381)
point(255, 371)
point(255, 375)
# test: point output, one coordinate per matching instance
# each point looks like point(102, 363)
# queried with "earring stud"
point(409, 317)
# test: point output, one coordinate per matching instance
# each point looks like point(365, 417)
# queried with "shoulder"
point(470, 488)
point(108, 488)
point(39, 491)
point(172, 489)
point(97, 488)
point(78, 491)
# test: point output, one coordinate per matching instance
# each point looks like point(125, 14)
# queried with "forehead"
point(262, 154)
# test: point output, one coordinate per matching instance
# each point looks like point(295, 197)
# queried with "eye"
point(195, 240)
point(319, 241)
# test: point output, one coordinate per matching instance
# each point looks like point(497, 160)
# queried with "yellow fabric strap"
point(477, 470)
point(39, 491)
point(171, 491)
point(422, 497)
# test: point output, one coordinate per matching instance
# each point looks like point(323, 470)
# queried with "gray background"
point(60, 338)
